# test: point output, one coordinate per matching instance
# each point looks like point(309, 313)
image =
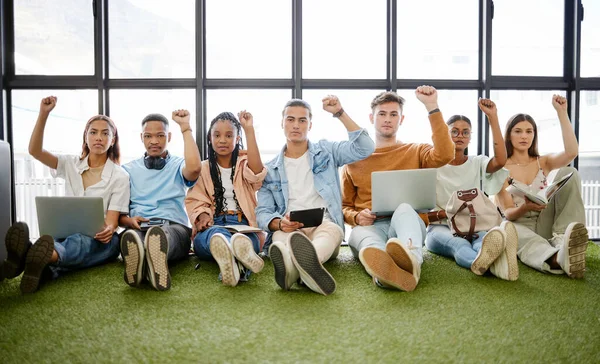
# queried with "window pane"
point(252, 42)
point(265, 106)
point(357, 103)
point(589, 158)
point(151, 39)
point(538, 104)
point(343, 39)
point(416, 127)
point(65, 123)
point(52, 41)
point(447, 48)
point(590, 39)
point(129, 107)
point(526, 40)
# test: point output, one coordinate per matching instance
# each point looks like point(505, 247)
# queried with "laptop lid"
point(415, 187)
point(62, 216)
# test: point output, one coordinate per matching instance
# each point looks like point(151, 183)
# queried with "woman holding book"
point(225, 194)
point(494, 250)
point(552, 237)
point(94, 173)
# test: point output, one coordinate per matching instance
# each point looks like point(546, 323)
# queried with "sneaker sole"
point(306, 260)
point(244, 252)
point(512, 246)
point(380, 265)
point(37, 259)
point(281, 273)
point(399, 255)
point(17, 245)
point(221, 252)
point(491, 248)
point(132, 252)
point(157, 249)
point(578, 242)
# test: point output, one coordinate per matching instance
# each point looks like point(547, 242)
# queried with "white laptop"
point(60, 217)
point(415, 187)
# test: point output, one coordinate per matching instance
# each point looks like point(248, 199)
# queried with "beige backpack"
point(470, 211)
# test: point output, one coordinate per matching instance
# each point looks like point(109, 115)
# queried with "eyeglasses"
point(455, 133)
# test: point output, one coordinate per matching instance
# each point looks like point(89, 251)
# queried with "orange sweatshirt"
point(356, 177)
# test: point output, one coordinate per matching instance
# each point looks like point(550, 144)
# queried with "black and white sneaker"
point(286, 273)
point(157, 251)
point(17, 246)
point(132, 251)
point(312, 272)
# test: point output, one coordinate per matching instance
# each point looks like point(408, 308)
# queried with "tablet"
point(309, 217)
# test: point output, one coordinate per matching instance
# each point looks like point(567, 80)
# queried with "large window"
point(590, 39)
point(589, 158)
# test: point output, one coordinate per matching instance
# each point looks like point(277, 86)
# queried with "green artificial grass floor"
point(453, 315)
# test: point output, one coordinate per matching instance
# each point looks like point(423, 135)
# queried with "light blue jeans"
point(441, 241)
point(405, 224)
point(80, 251)
point(202, 239)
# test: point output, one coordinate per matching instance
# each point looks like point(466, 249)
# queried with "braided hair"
point(215, 174)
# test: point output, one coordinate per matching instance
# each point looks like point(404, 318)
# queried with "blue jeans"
point(441, 241)
point(202, 239)
point(80, 251)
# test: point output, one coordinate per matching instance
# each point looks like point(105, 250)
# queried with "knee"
point(404, 208)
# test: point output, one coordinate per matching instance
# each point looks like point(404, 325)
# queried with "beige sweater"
point(356, 177)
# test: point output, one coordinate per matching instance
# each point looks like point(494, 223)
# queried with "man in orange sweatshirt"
point(390, 248)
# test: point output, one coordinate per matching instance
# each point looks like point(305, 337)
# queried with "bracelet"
point(188, 129)
point(437, 214)
point(279, 226)
point(434, 111)
point(339, 113)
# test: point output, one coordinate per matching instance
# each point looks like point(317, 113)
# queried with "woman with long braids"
point(225, 194)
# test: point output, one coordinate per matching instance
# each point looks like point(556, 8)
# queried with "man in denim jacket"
point(303, 176)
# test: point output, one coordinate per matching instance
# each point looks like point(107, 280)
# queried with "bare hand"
point(105, 235)
point(181, 117)
point(532, 206)
point(488, 107)
point(47, 104)
point(246, 119)
point(288, 226)
point(365, 218)
point(428, 96)
point(331, 104)
point(204, 221)
point(559, 103)
point(134, 222)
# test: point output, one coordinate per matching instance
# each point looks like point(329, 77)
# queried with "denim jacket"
point(325, 158)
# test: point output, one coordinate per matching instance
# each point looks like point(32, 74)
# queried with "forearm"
point(500, 155)
point(349, 124)
point(569, 139)
point(112, 219)
point(274, 224)
point(36, 142)
point(443, 147)
point(190, 153)
point(254, 160)
point(514, 213)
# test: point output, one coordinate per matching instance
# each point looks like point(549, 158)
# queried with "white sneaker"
point(403, 257)
point(312, 272)
point(286, 273)
point(223, 254)
point(506, 266)
point(157, 252)
point(243, 250)
point(384, 270)
point(571, 255)
point(133, 254)
point(492, 246)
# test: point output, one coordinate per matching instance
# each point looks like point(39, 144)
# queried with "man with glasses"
point(390, 248)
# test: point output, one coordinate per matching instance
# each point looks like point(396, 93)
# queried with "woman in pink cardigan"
point(225, 194)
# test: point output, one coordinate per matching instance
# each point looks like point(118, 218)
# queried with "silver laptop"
point(415, 187)
point(60, 217)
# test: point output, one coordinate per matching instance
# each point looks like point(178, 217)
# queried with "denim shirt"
point(325, 157)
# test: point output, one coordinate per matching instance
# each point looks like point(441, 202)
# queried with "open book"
point(242, 228)
point(541, 197)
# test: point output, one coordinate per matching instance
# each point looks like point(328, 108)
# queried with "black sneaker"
point(17, 245)
point(312, 272)
point(157, 251)
point(37, 259)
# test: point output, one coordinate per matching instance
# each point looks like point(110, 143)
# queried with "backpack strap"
point(473, 221)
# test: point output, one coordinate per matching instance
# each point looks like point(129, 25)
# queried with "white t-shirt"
point(465, 176)
point(228, 186)
point(301, 184)
point(113, 186)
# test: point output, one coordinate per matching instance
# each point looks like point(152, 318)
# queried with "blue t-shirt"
point(158, 193)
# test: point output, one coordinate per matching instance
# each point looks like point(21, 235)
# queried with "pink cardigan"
point(200, 198)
